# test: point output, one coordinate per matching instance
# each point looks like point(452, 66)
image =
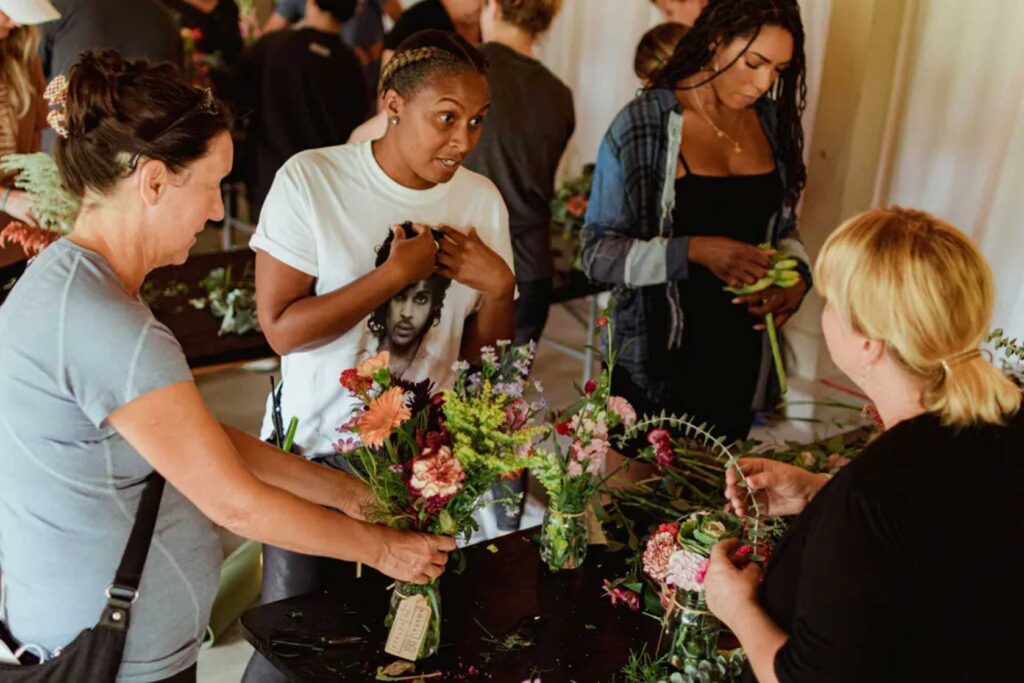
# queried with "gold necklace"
point(736, 146)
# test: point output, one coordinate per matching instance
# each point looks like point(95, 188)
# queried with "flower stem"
point(773, 338)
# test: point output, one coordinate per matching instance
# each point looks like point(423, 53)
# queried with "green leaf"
point(444, 518)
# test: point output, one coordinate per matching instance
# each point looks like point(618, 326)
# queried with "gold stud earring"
point(394, 120)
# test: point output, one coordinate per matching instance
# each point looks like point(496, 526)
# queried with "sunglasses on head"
point(206, 104)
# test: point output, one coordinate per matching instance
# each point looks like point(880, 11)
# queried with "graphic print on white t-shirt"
point(402, 323)
point(328, 214)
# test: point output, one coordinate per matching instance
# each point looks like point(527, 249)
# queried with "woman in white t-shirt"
point(322, 227)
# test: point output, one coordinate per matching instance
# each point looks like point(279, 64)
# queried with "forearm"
point(494, 321)
point(616, 258)
point(315, 483)
point(280, 518)
point(314, 320)
point(760, 638)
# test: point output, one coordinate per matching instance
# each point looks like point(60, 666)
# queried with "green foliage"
point(233, 302)
point(642, 667)
point(55, 208)
point(1012, 354)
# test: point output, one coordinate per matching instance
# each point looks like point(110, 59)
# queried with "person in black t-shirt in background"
point(305, 89)
point(525, 134)
point(220, 36)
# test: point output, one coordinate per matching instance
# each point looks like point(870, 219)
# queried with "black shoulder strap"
point(129, 573)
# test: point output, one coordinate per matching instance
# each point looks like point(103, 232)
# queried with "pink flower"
point(344, 446)
point(663, 456)
point(626, 596)
point(602, 321)
point(658, 436)
point(574, 468)
point(437, 474)
point(657, 554)
point(372, 364)
point(516, 414)
point(686, 570)
point(577, 205)
point(623, 409)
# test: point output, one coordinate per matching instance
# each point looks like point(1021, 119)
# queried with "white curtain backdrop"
point(591, 44)
point(959, 145)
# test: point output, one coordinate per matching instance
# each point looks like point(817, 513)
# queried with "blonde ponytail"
point(938, 296)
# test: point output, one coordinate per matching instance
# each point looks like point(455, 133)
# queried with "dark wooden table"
point(195, 329)
point(576, 634)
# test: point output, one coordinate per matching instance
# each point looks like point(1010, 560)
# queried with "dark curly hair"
point(725, 20)
point(438, 287)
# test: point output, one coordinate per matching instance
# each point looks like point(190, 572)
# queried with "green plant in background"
point(782, 273)
point(1012, 351)
point(54, 207)
point(233, 302)
point(726, 667)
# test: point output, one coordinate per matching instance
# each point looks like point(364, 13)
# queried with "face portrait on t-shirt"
point(402, 322)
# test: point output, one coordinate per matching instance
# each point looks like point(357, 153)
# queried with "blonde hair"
point(16, 52)
point(532, 16)
point(655, 47)
point(916, 283)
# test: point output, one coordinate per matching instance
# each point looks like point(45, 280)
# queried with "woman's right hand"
point(778, 488)
point(413, 257)
point(410, 555)
point(735, 263)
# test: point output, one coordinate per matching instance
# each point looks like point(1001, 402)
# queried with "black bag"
point(95, 654)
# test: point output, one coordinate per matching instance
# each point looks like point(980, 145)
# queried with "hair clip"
point(56, 94)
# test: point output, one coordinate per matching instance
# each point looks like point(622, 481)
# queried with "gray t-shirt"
point(76, 346)
point(525, 134)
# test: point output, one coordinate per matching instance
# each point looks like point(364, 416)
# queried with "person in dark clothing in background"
point(315, 102)
point(220, 39)
point(135, 28)
point(457, 16)
point(527, 129)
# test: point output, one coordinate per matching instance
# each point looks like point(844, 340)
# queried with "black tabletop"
point(197, 330)
point(567, 630)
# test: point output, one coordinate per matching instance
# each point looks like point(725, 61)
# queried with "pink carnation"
point(626, 596)
point(686, 570)
point(623, 409)
point(574, 468)
point(657, 554)
point(437, 474)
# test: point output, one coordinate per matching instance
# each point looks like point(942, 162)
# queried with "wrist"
point(743, 611)
point(694, 251)
point(502, 290)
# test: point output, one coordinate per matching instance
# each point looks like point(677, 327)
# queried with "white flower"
point(686, 570)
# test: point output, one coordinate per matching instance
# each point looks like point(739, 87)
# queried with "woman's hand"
point(413, 257)
point(778, 488)
point(728, 589)
point(19, 207)
point(410, 555)
point(782, 302)
point(466, 259)
point(735, 263)
point(355, 499)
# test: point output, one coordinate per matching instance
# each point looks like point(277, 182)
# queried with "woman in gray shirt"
point(95, 394)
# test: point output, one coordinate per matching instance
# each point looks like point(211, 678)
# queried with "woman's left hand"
point(727, 589)
point(466, 259)
point(782, 302)
point(19, 207)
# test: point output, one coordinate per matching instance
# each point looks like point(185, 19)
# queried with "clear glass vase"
point(692, 630)
point(563, 539)
point(432, 591)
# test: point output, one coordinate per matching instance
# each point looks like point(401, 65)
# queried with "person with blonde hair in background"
point(654, 49)
point(899, 557)
point(22, 108)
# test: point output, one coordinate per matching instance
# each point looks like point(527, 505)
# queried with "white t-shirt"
point(327, 213)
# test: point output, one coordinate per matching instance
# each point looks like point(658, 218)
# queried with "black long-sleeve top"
point(903, 567)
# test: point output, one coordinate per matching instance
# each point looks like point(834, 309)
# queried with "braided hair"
point(427, 54)
point(725, 20)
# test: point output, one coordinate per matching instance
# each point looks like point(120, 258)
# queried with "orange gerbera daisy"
point(387, 412)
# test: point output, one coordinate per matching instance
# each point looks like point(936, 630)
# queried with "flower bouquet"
point(572, 475)
point(428, 457)
point(54, 207)
point(569, 206)
point(676, 557)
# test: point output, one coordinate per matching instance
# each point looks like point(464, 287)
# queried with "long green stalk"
point(773, 338)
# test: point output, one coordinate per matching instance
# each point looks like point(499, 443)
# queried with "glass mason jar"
point(563, 539)
point(432, 591)
point(691, 629)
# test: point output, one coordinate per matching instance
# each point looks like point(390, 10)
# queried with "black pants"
point(532, 309)
point(288, 574)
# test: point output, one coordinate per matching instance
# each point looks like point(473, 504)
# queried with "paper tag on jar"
point(409, 629)
point(596, 532)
